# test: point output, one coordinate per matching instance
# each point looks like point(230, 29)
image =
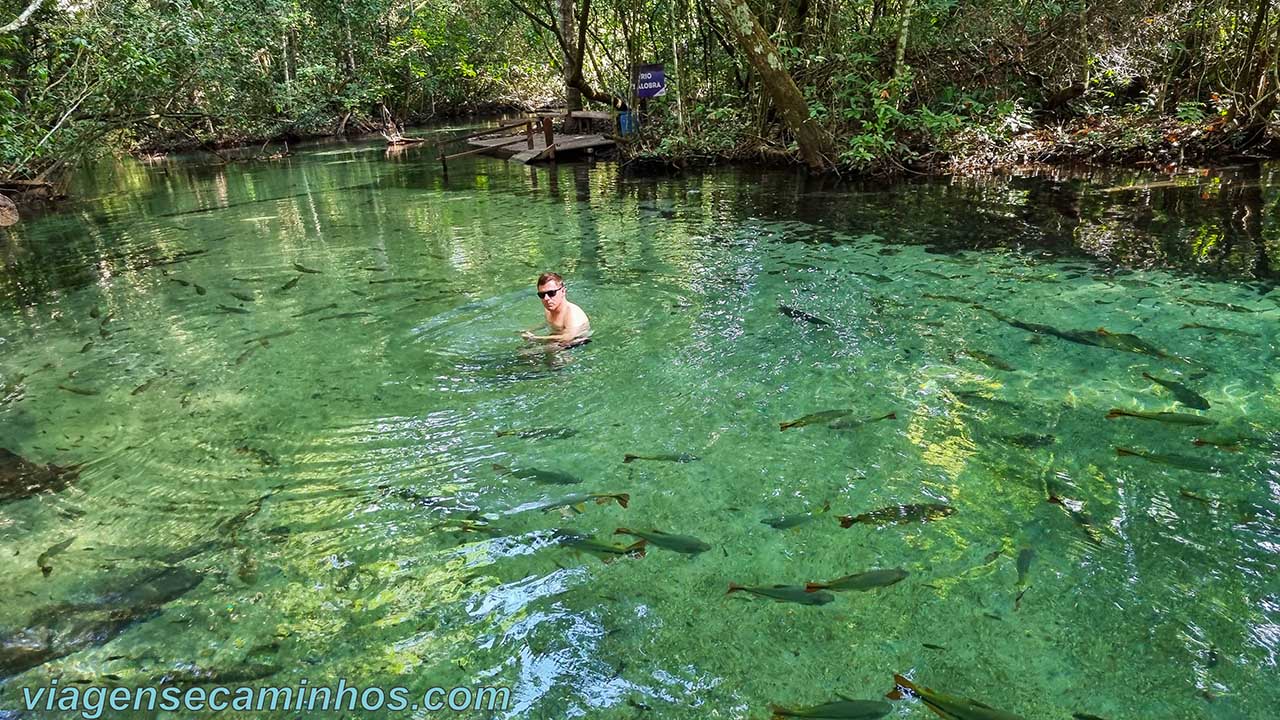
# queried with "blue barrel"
point(628, 122)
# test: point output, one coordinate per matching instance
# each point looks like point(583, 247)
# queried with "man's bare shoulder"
point(577, 317)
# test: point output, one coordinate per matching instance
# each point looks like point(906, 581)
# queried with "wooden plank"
point(492, 130)
point(482, 148)
point(529, 156)
point(498, 142)
point(593, 114)
point(541, 149)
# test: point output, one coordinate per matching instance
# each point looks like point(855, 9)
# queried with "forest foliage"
point(884, 83)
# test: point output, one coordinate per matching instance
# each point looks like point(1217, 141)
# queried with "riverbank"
point(1160, 144)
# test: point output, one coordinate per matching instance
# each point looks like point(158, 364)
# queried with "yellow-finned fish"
point(948, 706)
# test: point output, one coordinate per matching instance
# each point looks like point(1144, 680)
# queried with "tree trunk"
point(900, 51)
point(814, 141)
point(573, 74)
point(1084, 43)
point(572, 95)
point(1251, 106)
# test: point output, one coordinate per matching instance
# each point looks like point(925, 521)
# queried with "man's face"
point(552, 295)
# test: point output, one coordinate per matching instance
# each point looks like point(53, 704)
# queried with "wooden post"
point(550, 138)
point(444, 163)
point(528, 133)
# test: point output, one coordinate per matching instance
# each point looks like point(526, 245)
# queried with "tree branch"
point(23, 18)
point(543, 24)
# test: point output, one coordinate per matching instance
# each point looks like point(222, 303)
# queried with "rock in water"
point(8, 212)
point(65, 628)
point(20, 479)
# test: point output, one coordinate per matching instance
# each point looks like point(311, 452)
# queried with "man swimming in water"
point(569, 325)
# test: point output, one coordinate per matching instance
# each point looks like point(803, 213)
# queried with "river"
point(301, 419)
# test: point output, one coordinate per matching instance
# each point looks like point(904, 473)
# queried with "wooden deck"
point(516, 147)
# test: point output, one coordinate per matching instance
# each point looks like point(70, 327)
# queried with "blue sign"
point(651, 81)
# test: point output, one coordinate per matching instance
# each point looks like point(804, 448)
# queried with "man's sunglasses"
point(548, 293)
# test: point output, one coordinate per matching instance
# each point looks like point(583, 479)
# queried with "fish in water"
point(245, 355)
point(666, 457)
point(1023, 564)
point(679, 543)
point(78, 390)
point(949, 298)
point(801, 315)
point(303, 269)
point(87, 347)
point(289, 285)
point(1218, 329)
point(63, 629)
point(1128, 342)
point(261, 455)
point(949, 707)
point(1079, 517)
point(1165, 417)
point(1230, 443)
point(1215, 304)
point(852, 424)
point(861, 582)
point(1029, 441)
point(388, 281)
point(246, 297)
point(551, 433)
point(270, 336)
point(785, 593)
point(229, 309)
point(874, 276)
point(988, 359)
point(976, 397)
point(43, 561)
point(1184, 394)
point(144, 386)
point(180, 281)
point(844, 709)
point(604, 550)
point(898, 515)
point(21, 478)
point(812, 418)
point(546, 477)
point(310, 311)
point(782, 522)
point(468, 525)
point(578, 501)
point(200, 290)
point(1101, 337)
point(343, 316)
point(1178, 461)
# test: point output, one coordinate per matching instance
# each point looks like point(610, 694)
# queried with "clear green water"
point(319, 483)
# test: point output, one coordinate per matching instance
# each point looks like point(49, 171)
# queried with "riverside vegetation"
point(862, 85)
